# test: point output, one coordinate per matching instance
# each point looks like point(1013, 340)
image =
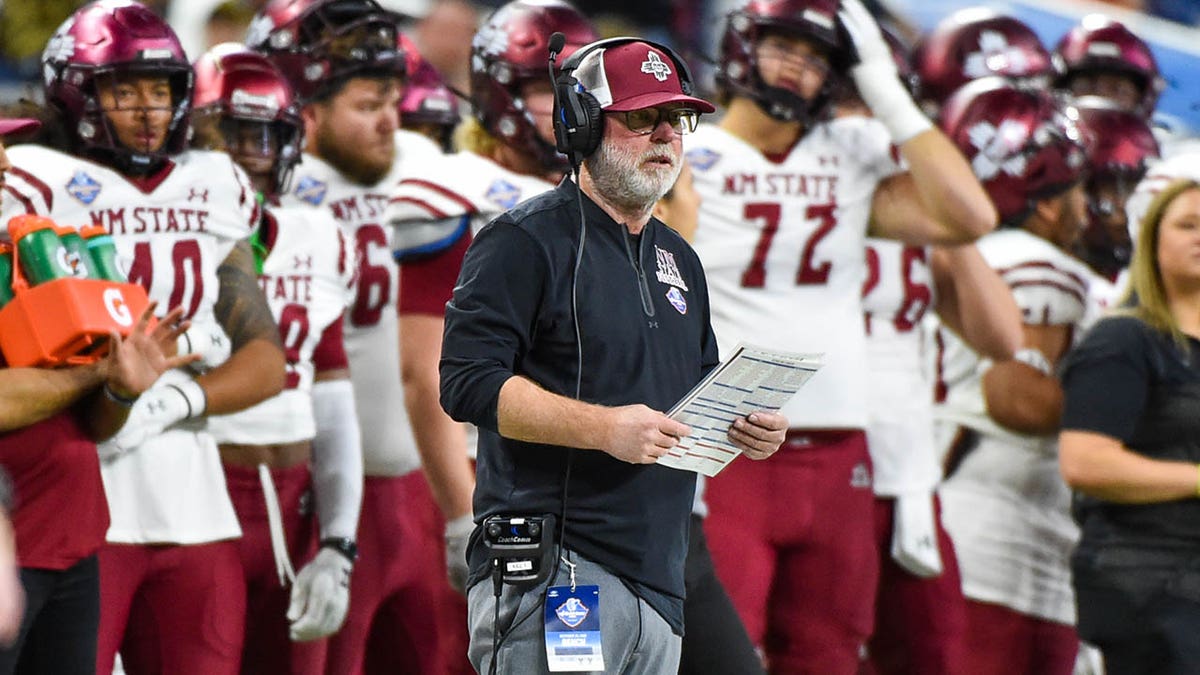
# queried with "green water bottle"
point(6, 274)
point(103, 253)
point(42, 254)
point(77, 253)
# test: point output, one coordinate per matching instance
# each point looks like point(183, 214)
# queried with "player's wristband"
point(123, 401)
point(1034, 358)
point(343, 545)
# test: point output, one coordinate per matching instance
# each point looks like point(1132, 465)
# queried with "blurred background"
point(442, 30)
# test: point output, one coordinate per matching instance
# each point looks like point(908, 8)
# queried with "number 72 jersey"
point(782, 240)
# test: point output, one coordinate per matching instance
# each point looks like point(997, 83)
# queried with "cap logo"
point(656, 67)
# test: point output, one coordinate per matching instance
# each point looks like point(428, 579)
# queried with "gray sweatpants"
point(635, 639)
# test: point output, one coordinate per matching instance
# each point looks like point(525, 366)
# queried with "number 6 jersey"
point(782, 240)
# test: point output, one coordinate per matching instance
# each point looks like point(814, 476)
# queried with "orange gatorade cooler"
point(59, 320)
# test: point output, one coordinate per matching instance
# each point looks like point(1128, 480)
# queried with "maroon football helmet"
point(319, 44)
point(1119, 145)
point(509, 50)
point(117, 39)
point(737, 67)
point(973, 43)
point(427, 101)
point(245, 92)
point(1100, 44)
point(1021, 144)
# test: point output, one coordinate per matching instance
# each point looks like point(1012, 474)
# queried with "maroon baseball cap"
point(17, 126)
point(633, 76)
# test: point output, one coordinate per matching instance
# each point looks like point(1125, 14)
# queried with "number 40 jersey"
point(782, 240)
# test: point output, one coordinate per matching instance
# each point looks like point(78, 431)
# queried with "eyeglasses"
point(646, 120)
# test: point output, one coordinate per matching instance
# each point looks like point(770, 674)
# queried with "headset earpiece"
point(578, 122)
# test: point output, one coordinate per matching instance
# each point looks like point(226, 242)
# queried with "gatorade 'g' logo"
point(71, 263)
point(114, 302)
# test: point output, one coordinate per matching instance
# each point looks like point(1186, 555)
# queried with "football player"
point(789, 198)
point(1120, 148)
point(1101, 57)
point(920, 611)
point(972, 43)
point(1003, 502)
point(118, 88)
point(243, 105)
point(427, 107)
point(342, 60)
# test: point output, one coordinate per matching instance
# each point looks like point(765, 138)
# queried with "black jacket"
point(646, 338)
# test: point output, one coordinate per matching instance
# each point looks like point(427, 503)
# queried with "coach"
point(567, 335)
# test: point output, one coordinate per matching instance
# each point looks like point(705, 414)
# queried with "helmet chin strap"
point(784, 106)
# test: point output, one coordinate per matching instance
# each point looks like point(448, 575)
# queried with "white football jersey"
point(454, 192)
point(308, 278)
point(372, 334)
point(782, 241)
point(1006, 507)
point(898, 293)
point(1050, 287)
point(171, 234)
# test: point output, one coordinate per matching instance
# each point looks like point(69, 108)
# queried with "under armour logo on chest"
point(194, 194)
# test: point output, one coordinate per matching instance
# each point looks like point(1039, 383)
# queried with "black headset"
point(578, 118)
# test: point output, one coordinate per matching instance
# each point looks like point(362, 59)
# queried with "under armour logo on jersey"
point(995, 55)
point(298, 262)
point(860, 476)
point(825, 160)
point(83, 187)
point(201, 194)
point(655, 66)
point(998, 148)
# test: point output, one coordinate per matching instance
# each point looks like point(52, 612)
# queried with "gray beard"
point(619, 178)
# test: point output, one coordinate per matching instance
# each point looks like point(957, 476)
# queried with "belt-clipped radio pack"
point(521, 548)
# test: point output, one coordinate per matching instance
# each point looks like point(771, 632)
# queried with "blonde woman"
point(1130, 445)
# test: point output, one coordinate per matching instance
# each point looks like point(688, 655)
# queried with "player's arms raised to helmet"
point(974, 302)
point(938, 201)
point(1025, 398)
point(255, 370)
